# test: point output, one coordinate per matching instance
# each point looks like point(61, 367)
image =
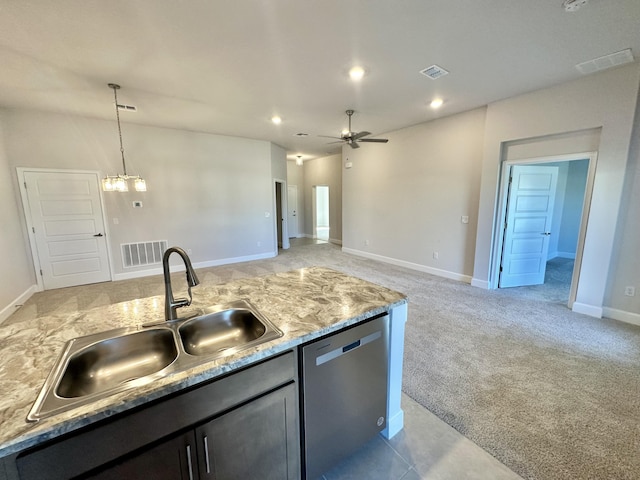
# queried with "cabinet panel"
point(258, 440)
point(173, 459)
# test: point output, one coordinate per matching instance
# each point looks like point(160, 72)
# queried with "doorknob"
point(98, 235)
point(545, 233)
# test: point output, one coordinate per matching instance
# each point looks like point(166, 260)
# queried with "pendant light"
point(299, 160)
point(120, 182)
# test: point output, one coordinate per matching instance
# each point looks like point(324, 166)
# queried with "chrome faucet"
point(171, 304)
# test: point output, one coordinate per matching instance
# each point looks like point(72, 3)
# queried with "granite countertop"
point(304, 304)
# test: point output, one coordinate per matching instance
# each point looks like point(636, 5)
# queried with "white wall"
point(404, 200)
point(207, 193)
point(606, 100)
point(625, 266)
point(15, 263)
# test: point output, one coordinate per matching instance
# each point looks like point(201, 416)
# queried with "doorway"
point(280, 207)
point(66, 226)
point(543, 247)
point(321, 229)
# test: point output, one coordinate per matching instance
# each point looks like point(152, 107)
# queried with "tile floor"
point(427, 449)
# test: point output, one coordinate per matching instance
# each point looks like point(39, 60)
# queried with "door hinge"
point(25, 185)
point(500, 268)
point(33, 229)
point(41, 274)
point(510, 179)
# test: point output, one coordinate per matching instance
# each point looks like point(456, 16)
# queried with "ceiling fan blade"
point(329, 136)
point(359, 135)
point(354, 145)
point(374, 140)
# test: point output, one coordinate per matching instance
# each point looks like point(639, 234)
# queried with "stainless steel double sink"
point(96, 366)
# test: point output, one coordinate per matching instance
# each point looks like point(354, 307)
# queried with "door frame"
point(26, 210)
point(501, 214)
point(278, 182)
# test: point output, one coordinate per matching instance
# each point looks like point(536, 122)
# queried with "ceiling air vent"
point(606, 61)
point(434, 71)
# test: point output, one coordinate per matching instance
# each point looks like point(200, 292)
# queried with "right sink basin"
point(226, 329)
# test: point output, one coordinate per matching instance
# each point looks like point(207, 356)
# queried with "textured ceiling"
point(228, 66)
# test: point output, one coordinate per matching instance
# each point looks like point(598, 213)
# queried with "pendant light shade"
point(120, 182)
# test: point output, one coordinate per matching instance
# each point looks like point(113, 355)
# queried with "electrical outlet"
point(436, 255)
point(366, 243)
point(464, 219)
point(630, 291)
point(189, 251)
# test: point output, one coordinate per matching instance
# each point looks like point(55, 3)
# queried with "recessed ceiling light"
point(436, 103)
point(299, 160)
point(276, 119)
point(356, 73)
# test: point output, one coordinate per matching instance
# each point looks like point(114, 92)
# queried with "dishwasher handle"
point(351, 346)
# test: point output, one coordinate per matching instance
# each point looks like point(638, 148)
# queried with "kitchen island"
point(304, 304)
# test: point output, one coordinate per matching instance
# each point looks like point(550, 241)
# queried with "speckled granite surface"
point(304, 304)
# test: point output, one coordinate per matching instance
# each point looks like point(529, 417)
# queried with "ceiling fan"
point(353, 138)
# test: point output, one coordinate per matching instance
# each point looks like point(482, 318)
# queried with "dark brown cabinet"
point(253, 441)
point(169, 460)
point(242, 426)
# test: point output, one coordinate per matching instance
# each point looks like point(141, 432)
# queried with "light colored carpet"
point(550, 393)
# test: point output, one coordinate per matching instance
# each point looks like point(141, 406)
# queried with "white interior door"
point(527, 230)
point(292, 202)
point(68, 228)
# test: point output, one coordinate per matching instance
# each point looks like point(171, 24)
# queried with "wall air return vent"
point(144, 253)
point(434, 72)
point(606, 61)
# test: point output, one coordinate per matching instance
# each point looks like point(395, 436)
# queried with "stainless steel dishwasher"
point(344, 393)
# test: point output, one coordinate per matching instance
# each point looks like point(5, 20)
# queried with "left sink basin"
point(109, 363)
point(96, 366)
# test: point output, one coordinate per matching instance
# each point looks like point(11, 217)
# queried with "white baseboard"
point(621, 315)
point(13, 306)
point(586, 309)
point(180, 268)
point(476, 282)
point(413, 266)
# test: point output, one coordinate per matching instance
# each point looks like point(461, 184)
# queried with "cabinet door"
point(259, 440)
point(170, 460)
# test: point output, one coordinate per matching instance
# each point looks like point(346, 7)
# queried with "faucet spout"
point(171, 304)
